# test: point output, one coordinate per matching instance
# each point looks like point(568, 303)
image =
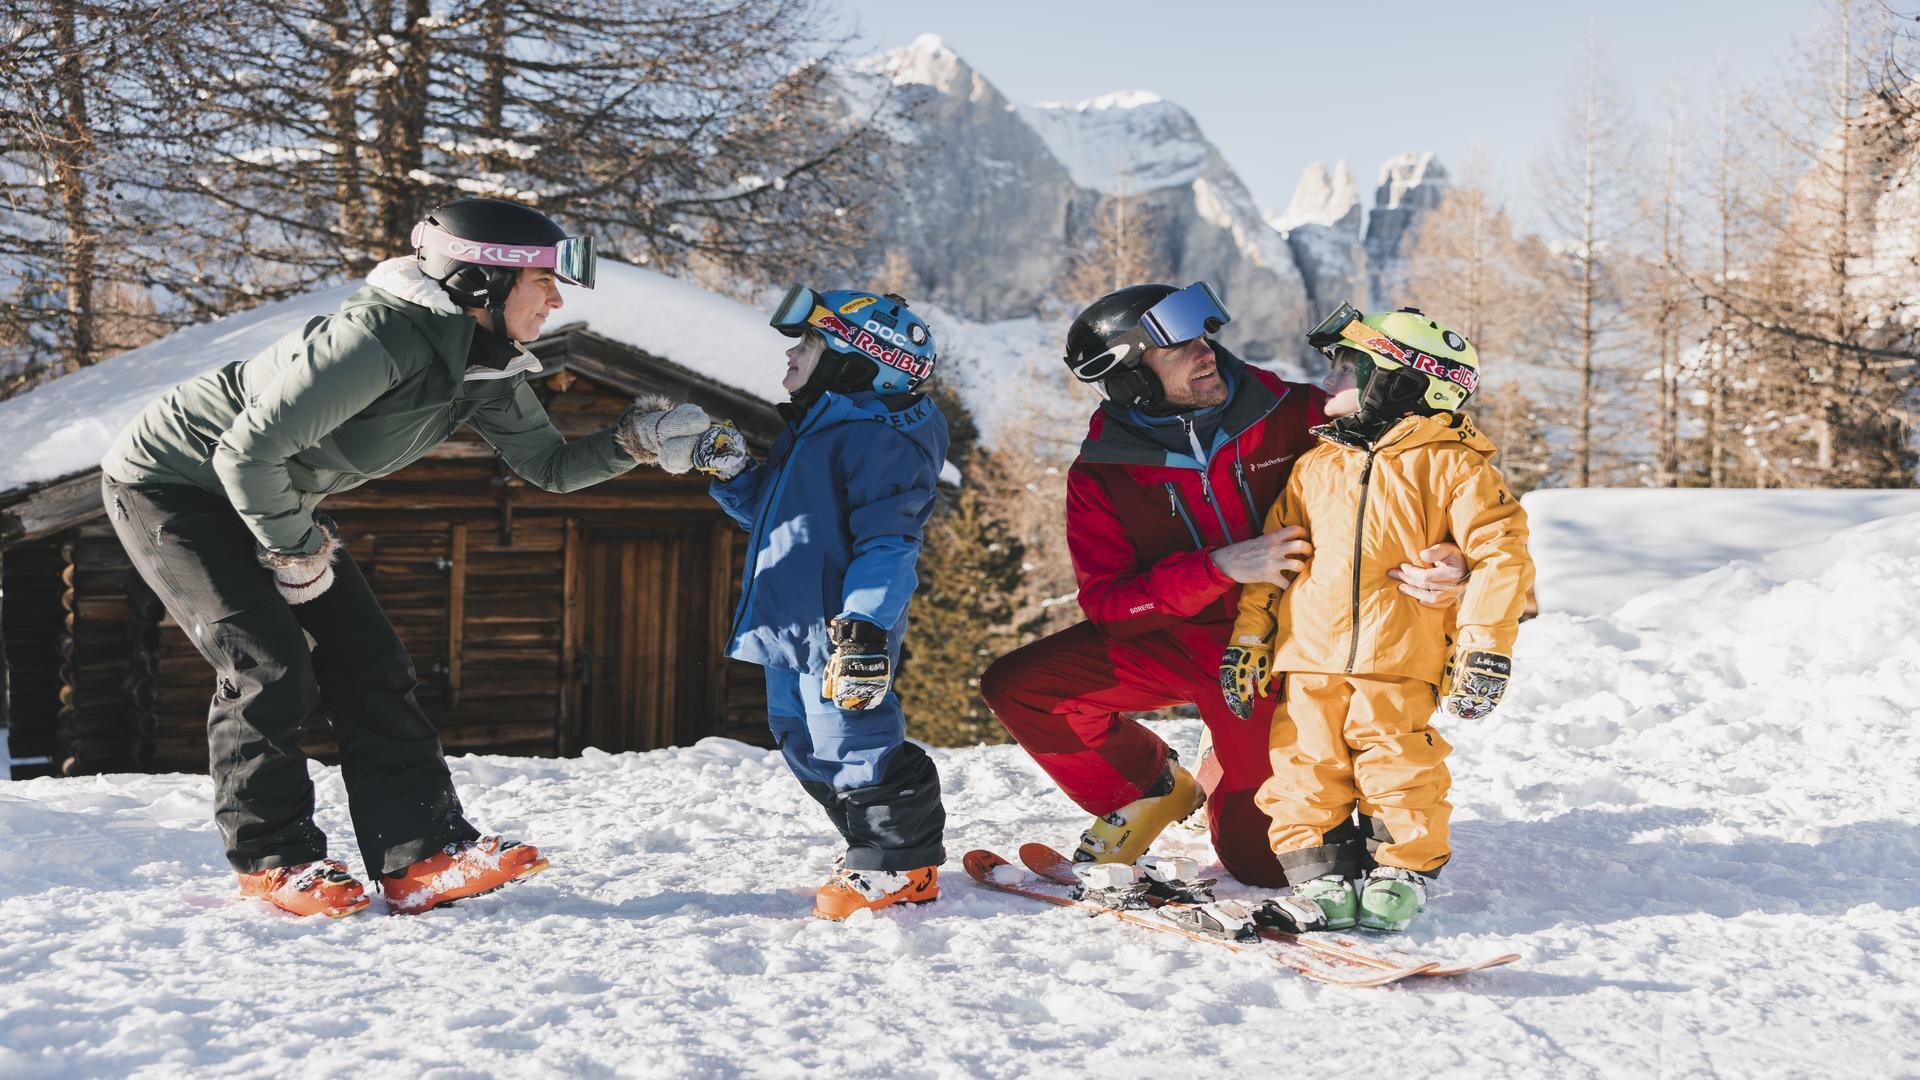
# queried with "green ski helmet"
point(1404, 362)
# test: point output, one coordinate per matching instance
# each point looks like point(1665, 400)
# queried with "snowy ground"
point(1698, 821)
point(1597, 548)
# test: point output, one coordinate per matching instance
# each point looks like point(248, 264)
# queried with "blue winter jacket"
point(835, 518)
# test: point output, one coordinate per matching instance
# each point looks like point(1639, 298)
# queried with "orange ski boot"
point(848, 891)
point(460, 870)
point(315, 888)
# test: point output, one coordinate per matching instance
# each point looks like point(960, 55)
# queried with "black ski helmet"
point(476, 248)
point(1107, 343)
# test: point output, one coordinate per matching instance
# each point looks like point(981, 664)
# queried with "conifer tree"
point(971, 572)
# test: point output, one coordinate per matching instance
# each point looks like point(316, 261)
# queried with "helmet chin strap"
point(1138, 387)
point(498, 312)
point(1391, 394)
point(497, 302)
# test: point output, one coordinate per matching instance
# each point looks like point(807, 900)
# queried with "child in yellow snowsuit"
point(1364, 664)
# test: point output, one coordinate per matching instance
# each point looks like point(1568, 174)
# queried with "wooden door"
point(646, 663)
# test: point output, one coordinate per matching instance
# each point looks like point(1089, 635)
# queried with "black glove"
point(858, 671)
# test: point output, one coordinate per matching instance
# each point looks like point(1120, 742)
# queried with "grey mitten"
point(650, 421)
point(301, 578)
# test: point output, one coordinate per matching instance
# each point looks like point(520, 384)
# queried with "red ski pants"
point(1061, 698)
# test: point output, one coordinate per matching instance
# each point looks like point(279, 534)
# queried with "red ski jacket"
point(1142, 518)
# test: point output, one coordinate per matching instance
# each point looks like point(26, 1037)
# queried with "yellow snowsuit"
point(1363, 661)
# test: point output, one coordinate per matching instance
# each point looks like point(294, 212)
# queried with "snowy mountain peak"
point(925, 61)
point(1323, 199)
point(1119, 99)
point(1410, 185)
point(1124, 143)
point(1400, 175)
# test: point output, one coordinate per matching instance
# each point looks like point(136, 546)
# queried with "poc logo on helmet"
point(892, 336)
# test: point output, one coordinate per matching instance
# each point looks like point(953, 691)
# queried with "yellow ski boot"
point(1126, 834)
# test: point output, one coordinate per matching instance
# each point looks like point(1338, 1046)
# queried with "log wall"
point(473, 568)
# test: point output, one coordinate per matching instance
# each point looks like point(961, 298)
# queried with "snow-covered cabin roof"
point(64, 427)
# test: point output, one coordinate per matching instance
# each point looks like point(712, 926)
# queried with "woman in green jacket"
point(214, 490)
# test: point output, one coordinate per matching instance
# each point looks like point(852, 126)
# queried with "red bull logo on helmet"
point(866, 342)
point(1458, 374)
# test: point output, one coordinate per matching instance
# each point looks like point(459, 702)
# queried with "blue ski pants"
point(881, 791)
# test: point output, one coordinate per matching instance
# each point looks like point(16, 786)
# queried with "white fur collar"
point(402, 278)
point(522, 361)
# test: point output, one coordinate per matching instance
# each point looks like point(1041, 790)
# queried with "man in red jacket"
point(1164, 506)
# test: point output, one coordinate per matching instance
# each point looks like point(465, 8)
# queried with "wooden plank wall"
point(35, 625)
point(510, 688)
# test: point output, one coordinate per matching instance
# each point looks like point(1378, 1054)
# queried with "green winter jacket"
point(345, 399)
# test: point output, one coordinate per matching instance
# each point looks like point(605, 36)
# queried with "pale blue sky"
point(1279, 85)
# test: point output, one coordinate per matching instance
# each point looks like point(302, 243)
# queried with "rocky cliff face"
point(1410, 185)
point(978, 204)
point(1324, 227)
point(993, 201)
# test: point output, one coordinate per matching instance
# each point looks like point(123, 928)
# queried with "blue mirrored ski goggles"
point(790, 318)
point(1194, 311)
point(573, 261)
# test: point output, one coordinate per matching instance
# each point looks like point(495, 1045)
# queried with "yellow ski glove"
point(1246, 672)
point(858, 671)
point(720, 452)
point(1474, 681)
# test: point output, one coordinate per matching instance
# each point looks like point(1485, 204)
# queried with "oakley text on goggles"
point(571, 260)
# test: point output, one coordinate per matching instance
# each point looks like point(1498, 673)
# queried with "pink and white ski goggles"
point(571, 260)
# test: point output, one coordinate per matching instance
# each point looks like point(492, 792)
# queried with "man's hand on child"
point(1474, 681)
point(1439, 578)
point(858, 671)
point(1272, 557)
point(1246, 672)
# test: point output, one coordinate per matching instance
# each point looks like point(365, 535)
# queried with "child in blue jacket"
point(835, 517)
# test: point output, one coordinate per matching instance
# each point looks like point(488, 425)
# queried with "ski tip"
point(981, 864)
point(1042, 859)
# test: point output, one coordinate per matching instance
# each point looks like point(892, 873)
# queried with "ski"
point(1049, 864)
point(990, 871)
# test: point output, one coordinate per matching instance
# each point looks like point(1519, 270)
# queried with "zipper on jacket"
point(1359, 535)
point(1206, 481)
point(1254, 517)
point(1173, 501)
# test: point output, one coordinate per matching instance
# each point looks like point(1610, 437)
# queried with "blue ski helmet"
point(873, 341)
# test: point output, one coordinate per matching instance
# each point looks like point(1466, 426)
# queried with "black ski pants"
point(193, 549)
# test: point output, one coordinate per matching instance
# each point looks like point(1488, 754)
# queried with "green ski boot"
point(1391, 898)
point(1334, 896)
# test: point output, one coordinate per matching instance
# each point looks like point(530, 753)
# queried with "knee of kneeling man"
point(998, 681)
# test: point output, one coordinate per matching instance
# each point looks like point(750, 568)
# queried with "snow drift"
point(1696, 821)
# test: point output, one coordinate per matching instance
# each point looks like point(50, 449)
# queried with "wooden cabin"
point(539, 624)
